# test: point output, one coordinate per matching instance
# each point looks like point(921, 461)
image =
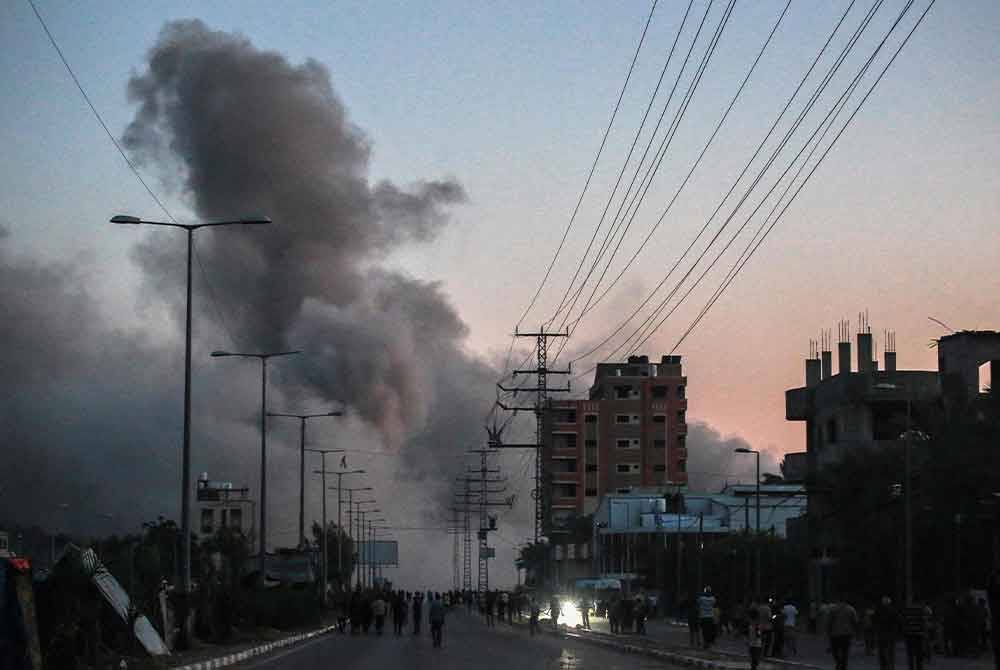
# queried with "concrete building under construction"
point(870, 405)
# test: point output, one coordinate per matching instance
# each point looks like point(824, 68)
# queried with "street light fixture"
point(322, 472)
point(361, 534)
point(340, 545)
point(745, 450)
point(263, 440)
point(907, 437)
point(185, 576)
point(302, 464)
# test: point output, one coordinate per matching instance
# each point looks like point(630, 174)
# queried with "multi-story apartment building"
point(628, 433)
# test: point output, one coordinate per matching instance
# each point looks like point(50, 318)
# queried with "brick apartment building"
point(629, 433)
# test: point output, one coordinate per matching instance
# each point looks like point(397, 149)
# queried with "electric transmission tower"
point(540, 494)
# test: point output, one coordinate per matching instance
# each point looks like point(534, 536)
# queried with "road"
point(468, 643)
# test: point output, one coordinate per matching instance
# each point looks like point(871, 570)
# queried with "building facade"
point(629, 432)
point(866, 405)
point(221, 505)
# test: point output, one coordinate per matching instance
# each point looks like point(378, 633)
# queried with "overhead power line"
point(591, 303)
point(614, 190)
point(130, 164)
point(647, 329)
point(640, 332)
point(730, 278)
point(593, 167)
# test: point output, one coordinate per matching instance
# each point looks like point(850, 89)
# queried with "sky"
point(507, 104)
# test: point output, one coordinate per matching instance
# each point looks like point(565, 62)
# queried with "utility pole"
point(486, 476)
point(302, 465)
point(541, 390)
point(323, 472)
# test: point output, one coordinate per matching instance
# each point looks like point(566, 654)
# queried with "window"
point(680, 391)
point(659, 444)
point(623, 392)
point(590, 444)
point(625, 490)
point(236, 518)
point(624, 468)
point(591, 467)
point(660, 468)
point(564, 490)
point(680, 417)
point(590, 493)
point(682, 442)
point(590, 418)
point(564, 465)
point(659, 391)
point(207, 520)
point(659, 418)
point(682, 465)
point(635, 418)
point(564, 440)
point(622, 444)
point(831, 430)
point(623, 418)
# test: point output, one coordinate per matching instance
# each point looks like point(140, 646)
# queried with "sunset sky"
point(511, 101)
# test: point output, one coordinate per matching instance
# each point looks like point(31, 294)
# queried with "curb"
point(230, 659)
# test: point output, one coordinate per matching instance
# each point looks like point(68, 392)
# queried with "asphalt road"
point(468, 643)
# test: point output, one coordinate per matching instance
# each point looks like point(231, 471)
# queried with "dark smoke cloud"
point(247, 131)
point(712, 461)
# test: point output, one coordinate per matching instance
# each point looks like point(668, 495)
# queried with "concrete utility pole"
point(323, 472)
point(185, 567)
point(302, 465)
point(350, 526)
point(744, 450)
point(263, 358)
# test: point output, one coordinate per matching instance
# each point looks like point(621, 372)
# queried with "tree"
point(336, 538)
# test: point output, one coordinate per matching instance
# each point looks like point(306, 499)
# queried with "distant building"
point(868, 408)
point(5, 551)
point(222, 505)
point(629, 433)
point(629, 529)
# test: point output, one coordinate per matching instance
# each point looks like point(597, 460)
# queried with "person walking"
point(417, 612)
point(437, 611)
point(706, 616)
point(778, 625)
point(615, 615)
point(490, 601)
point(791, 614)
point(690, 607)
point(640, 615)
point(378, 611)
point(886, 625)
point(841, 627)
point(754, 640)
point(398, 612)
point(502, 605)
point(534, 613)
point(584, 607)
point(915, 634)
point(554, 611)
point(766, 628)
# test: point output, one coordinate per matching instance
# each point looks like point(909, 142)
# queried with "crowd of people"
point(361, 612)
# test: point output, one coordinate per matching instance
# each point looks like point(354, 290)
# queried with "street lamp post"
point(185, 576)
point(340, 545)
point(350, 519)
point(322, 472)
point(263, 357)
point(744, 450)
point(302, 465)
point(907, 438)
point(363, 555)
point(371, 548)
